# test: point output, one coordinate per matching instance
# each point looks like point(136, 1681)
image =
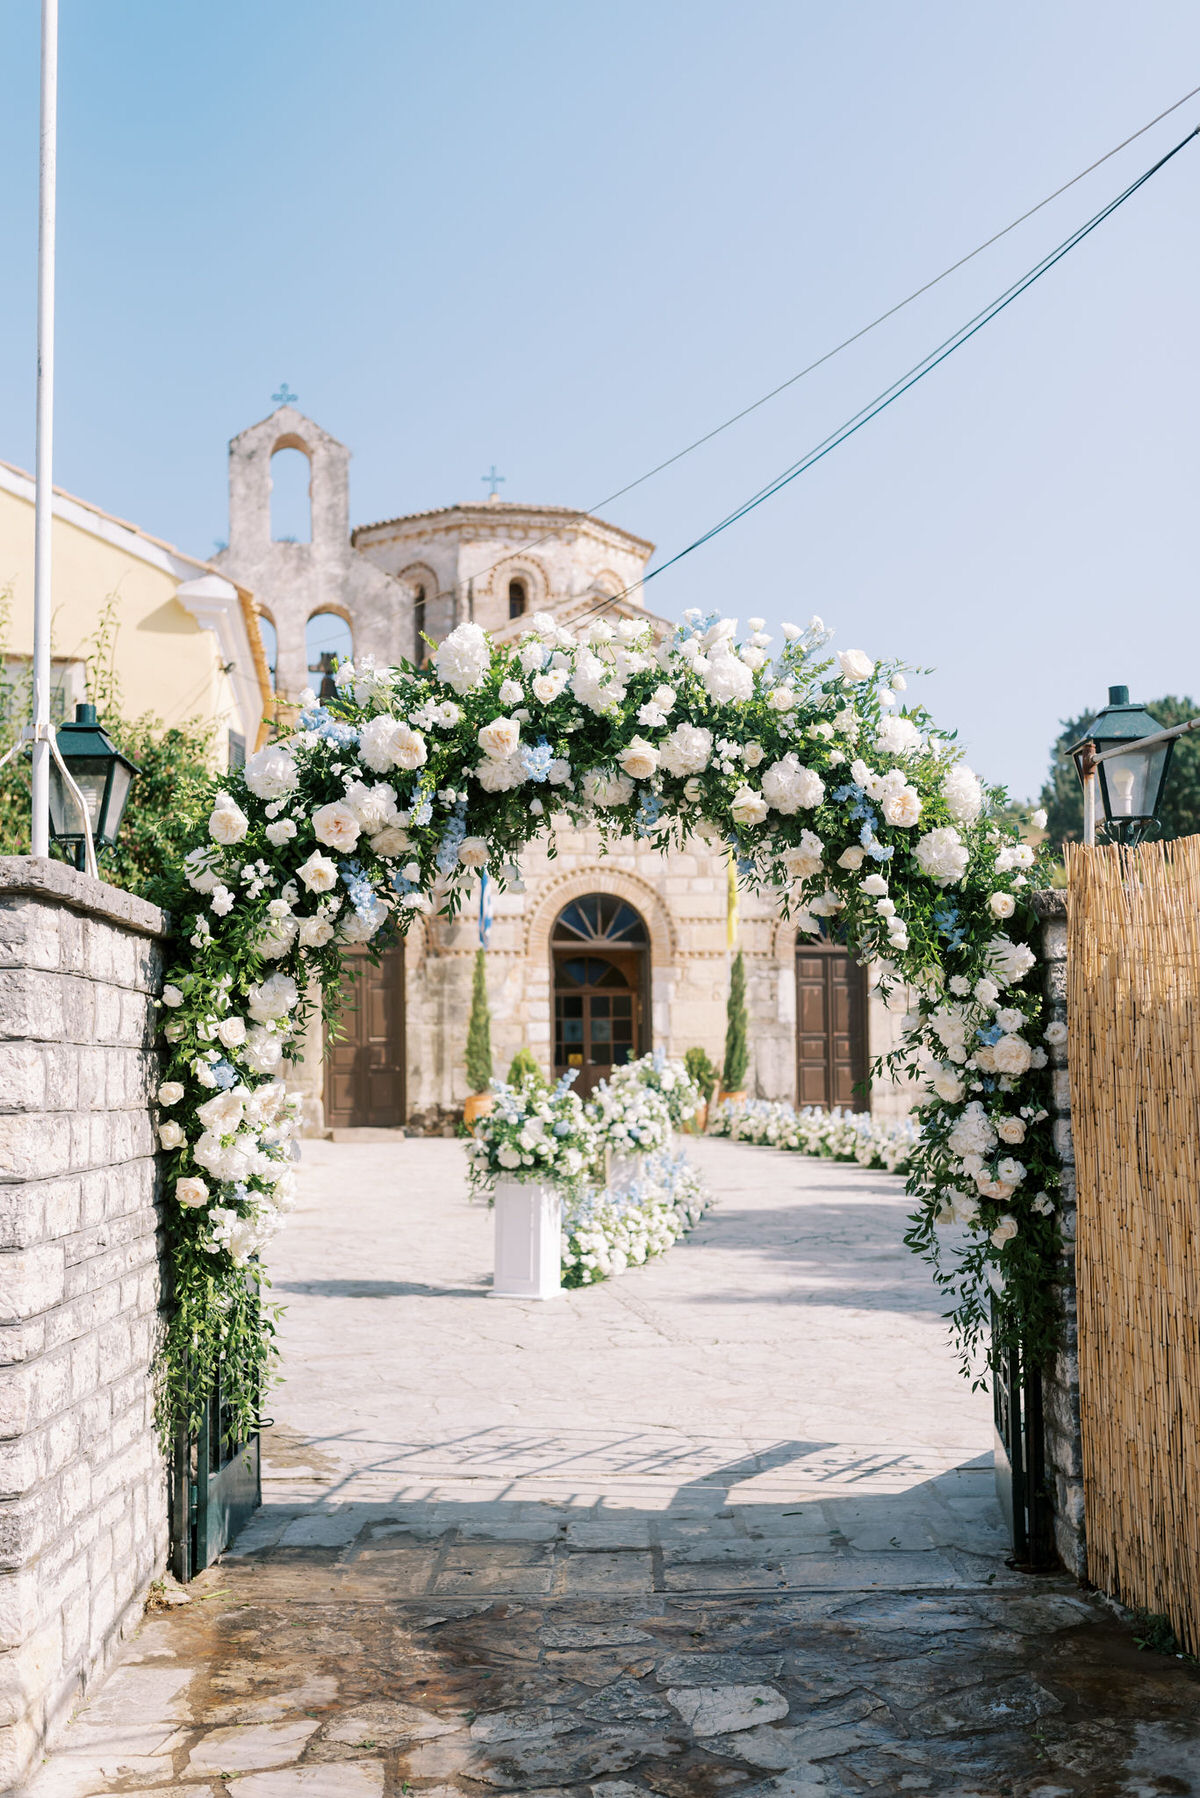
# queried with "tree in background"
point(701, 1070)
point(1179, 814)
point(166, 797)
point(737, 1050)
point(479, 1030)
point(524, 1067)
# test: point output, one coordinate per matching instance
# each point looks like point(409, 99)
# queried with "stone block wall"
point(1060, 1385)
point(83, 1501)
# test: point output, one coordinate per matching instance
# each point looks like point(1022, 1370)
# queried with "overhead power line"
point(901, 386)
point(846, 343)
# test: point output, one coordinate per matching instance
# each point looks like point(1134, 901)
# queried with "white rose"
point(170, 1135)
point(172, 996)
point(855, 666)
point(639, 759)
point(1038, 820)
point(281, 831)
point(336, 826)
point(963, 794)
point(781, 699)
point(851, 858)
point(198, 870)
point(1002, 905)
point(227, 823)
point(748, 807)
point(1010, 1129)
point(318, 873)
point(271, 773)
point(1011, 1055)
point(391, 841)
point(548, 686)
point(170, 1092)
point(191, 1192)
point(273, 997)
point(947, 1085)
point(473, 852)
point(1011, 1172)
point(499, 739)
point(315, 932)
point(902, 807)
point(1004, 1232)
point(898, 736)
point(507, 1156)
point(462, 659)
point(1055, 1034)
point(787, 785)
point(686, 751)
point(232, 1032)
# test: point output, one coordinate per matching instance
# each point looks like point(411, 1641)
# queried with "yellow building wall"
point(167, 664)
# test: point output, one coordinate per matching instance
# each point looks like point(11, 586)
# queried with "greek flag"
point(485, 909)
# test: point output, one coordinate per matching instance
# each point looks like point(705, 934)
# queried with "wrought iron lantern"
point(1131, 753)
point(102, 774)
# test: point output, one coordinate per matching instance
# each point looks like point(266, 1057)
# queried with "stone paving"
point(725, 1525)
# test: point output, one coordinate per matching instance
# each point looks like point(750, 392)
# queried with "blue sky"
point(568, 239)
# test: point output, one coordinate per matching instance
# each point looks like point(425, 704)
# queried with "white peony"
point(748, 807)
point(947, 1085)
point(1055, 1034)
point(855, 665)
point(898, 736)
point(198, 871)
point(639, 759)
point(875, 886)
point(727, 679)
point(852, 858)
point(501, 776)
point(272, 998)
point(963, 794)
point(336, 826)
point(271, 773)
point(1011, 1055)
point(172, 996)
point(942, 855)
point(373, 806)
point(1009, 961)
point(228, 823)
point(1010, 1171)
point(280, 831)
point(191, 1193)
point(511, 692)
point(1038, 820)
point(390, 841)
point(263, 1051)
point(687, 751)
point(386, 742)
point(902, 807)
point(473, 852)
point(315, 932)
point(787, 785)
point(604, 789)
point(499, 739)
point(463, 658)
point(804, 860)
point(223, 1113)
point(318, 873)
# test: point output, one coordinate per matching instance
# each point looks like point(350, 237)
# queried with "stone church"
point(593, 958)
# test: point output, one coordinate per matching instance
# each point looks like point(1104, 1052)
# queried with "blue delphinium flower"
point(536, 759)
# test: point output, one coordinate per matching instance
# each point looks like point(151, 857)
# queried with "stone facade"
point(83, 1501)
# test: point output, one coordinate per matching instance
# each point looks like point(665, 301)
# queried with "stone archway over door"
point(364, 1065)
point(831, 1028)
point(600, 950)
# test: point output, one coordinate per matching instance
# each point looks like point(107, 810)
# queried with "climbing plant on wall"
point(387, 800)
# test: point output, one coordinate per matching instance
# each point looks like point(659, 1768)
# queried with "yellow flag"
point(731, 902)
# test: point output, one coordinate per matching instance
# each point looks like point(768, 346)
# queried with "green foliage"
point(1154, 1632)
point(701, 1070)
point(523, 1068)
point(737, 1048)
point(1062, 795)
point(479, 1030)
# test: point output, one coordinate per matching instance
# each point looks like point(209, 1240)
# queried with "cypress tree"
point(737, 1052)
point(479, 1030)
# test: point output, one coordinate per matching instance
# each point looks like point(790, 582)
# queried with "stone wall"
point(1060, 1386)
point(83, 1501)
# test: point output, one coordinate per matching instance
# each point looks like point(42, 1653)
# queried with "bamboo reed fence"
point(1133, 974)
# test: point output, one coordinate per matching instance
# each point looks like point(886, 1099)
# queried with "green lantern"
point(1133, 778)
point(103, 775)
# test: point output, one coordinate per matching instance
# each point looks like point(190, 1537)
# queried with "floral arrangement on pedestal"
point(630, 1117)
point(391, 797)
point(533, 1132)
point(606, 1232)
point(670, 1079)
point(834, 1135)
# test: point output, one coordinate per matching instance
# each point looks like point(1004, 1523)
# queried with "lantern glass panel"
point(1132, 781)
point(118, 793)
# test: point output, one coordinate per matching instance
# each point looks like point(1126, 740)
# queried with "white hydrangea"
point(898, 736)
point(942, 855)
point(972, 1132)
point(272, 998)
point(962, 793)
point(463, 658)
point(501, 776)
point(788, 784)
point(727, 679)
point(606, 789)
point(686, 751)
point(271, 773)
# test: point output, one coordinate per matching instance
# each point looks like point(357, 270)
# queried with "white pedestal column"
point(528, 1221)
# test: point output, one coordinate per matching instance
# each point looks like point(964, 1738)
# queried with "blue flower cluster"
point(224, 1074)
point(335, 730)
point(855, 801)
point(360, 888)
point(422, 803)
point(536, 759)
point(946, 918)
point(452, 836)
point(648, 813)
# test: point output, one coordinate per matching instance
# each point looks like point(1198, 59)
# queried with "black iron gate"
point(216, 1484)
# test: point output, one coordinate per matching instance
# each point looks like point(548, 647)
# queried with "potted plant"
point(531, 1148)
point(737, 1049)
point(479, 1047)
point(706, 1079)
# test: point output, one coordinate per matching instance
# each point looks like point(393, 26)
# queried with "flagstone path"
point(723, 1526)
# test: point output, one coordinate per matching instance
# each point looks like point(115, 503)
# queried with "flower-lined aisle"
point(834, 1135)
point(857, 813)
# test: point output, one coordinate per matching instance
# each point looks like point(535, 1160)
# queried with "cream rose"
point(170, 1135)
point(548, 686)
point(748, 807)
point(855, 666)
point(170, 1092)
point(227, 823)
point(232, 1032)
point(336, 826)
point(1011, 1055)
point(473, 852)
point(318, 873)
point(639, 759)
point(499, 739)
point(191, 1192)
point(902, 807)
point(1002, 905)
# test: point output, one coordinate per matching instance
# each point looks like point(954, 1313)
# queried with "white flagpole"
point(44, 465)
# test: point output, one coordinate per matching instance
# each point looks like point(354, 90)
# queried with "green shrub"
point(524, 1067)
point(702, 1070)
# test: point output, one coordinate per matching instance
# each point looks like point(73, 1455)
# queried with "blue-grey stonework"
point(1064, 1455)
point(83, 1512)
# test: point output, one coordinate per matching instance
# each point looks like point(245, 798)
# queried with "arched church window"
point(517, 599)
point(327, 641)
point(420, 647)
point(270, 643)
point(291, 497)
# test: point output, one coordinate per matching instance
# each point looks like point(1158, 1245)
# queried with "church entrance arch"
point(600, 965)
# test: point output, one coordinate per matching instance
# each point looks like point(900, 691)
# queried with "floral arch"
point(385, 803)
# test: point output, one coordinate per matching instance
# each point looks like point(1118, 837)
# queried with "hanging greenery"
point(479, 1029)
point(390, 798)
